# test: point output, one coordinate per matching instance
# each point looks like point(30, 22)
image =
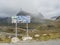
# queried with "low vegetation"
point(45, 31)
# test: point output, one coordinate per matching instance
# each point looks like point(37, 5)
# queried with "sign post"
point(22, 19)
point(15, 39)
point(27, 29)
point(16, 28)
point(14, 20)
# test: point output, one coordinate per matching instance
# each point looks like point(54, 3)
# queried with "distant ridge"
point(35, 18)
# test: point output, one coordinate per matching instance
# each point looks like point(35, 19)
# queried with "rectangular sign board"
point(21, 19)
point(14, 19)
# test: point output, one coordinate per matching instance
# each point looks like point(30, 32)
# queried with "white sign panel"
point(14, 19)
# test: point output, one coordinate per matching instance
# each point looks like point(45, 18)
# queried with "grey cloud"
point(46, 7)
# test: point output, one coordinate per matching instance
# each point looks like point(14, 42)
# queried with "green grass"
point(51, 29)
point(5, 40)
point(47, 37)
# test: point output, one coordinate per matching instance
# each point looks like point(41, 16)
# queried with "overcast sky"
point(48, 8)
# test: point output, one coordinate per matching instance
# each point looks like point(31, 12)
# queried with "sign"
point(21, 19)
point(14, 19)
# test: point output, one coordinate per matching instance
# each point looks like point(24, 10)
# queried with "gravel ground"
point(50, 42)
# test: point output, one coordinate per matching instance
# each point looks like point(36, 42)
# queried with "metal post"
point(16, 29)
point(27, 29)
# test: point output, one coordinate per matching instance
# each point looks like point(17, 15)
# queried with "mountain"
point(23, 13)
point(35, 18)
point(56, 18)
point(5, 20)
